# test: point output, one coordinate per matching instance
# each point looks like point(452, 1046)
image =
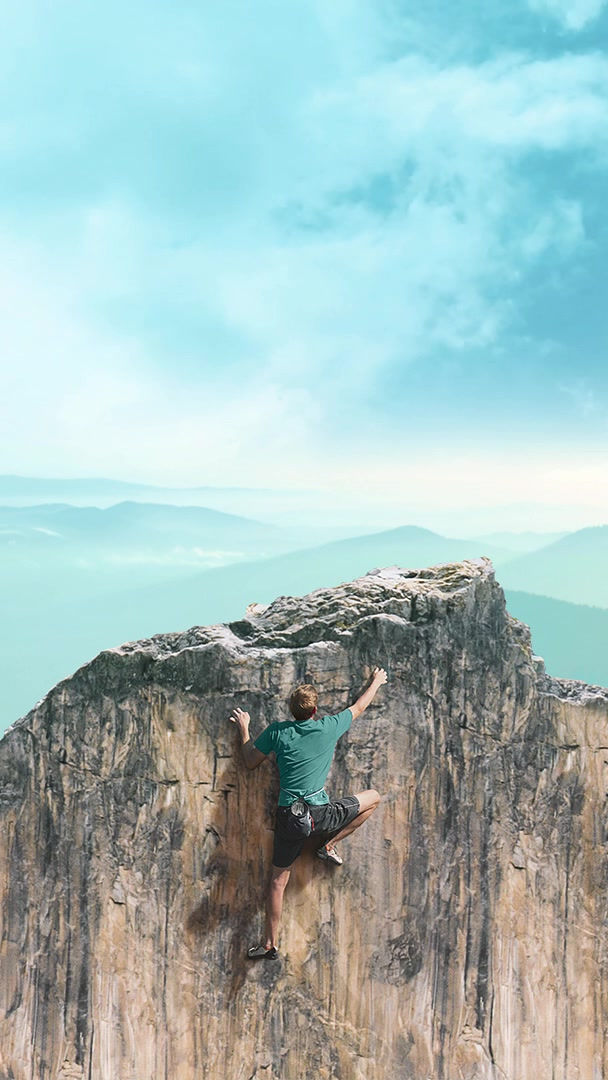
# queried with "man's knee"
point(279, 876)
point(368, 800)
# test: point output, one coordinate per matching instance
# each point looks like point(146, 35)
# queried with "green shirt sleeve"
point(265, 741)
point(339, 722)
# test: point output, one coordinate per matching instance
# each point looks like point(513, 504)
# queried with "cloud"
point(573, 14)
point(81, 401)
point(432, 264)
point(232, 246)
point(560, 228)
point(584, 398)
point(432, 483)
point(513, 101)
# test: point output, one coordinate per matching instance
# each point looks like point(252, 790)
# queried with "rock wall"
point(464, 937)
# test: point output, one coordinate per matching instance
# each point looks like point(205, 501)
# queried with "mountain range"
point(77, 577)
point(572, 568)
point(149, 529)
point(58, 616)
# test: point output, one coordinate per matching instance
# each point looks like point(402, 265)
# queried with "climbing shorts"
point(329, 818)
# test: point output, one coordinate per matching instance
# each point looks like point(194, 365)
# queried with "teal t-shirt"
point(304, 750)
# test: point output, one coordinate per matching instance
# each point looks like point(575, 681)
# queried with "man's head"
point(303, 702)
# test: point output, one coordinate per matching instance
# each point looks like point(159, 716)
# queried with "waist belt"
point(303, 797)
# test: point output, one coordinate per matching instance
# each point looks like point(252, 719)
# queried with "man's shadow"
point(236, 848)
point(235, 858)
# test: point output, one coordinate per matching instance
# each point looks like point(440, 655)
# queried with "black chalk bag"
point(299, 818)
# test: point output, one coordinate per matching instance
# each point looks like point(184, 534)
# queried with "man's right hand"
point(379, 676)
point(377, 679)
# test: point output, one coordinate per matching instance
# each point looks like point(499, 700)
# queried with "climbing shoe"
point(260, 952)
point(330, 856)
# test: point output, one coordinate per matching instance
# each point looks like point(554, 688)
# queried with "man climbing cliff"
point(304, 748)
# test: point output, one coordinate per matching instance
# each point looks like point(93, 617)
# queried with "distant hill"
point(571, 638)
point(54, 623)
point(227, 589)
point(58, 616)
point(573, 568)
point(57, 551)
point(128, 526)
point(520, 542)
point(33, 487)
point(301, 513)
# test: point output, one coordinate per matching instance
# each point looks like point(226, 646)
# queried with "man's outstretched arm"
point(378, 678)
point(253, 757)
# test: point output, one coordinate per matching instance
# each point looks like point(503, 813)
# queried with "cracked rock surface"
point(464, 938)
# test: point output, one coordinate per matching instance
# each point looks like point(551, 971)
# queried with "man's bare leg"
point(368, 801)
point(279, 876)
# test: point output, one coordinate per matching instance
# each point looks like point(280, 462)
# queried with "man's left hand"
point(242, 719)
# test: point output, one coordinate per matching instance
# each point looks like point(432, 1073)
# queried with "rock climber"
point(303, 748)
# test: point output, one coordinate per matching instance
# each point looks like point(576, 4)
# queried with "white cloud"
point(307, 289)
point(79, 401)
point(573, 14)
point(560, 227)
point(414, 110)
point(584, 398)
point(431, 482)
point(391, 286)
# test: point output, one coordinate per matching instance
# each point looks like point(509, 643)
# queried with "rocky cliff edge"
point(464, 937)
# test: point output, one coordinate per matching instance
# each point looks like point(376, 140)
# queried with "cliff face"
point(464, 937)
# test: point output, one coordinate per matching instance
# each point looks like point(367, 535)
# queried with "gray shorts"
point(329, 818)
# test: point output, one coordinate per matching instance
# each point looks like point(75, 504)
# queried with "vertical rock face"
point(464, 937)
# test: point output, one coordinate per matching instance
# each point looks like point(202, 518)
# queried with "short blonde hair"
point(303, 702)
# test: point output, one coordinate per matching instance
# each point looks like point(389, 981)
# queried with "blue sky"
point(338, 244)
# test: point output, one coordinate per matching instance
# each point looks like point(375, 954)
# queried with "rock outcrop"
point(466, 935)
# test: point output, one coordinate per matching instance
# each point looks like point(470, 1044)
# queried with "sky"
point(351, 246)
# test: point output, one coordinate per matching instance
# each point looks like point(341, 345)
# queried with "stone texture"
point(464, 937)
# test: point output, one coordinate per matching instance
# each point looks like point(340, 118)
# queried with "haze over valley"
point(78, 578)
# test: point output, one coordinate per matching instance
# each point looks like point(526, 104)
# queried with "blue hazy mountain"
point(13, 487)
point(132, 526)
point(573, 568)
point(49, 630)
point(520, 542)
point(57, 551)
point(321, 515)
point(571, 638)
point(221, 594)
point(56, 619)
point(307, 517)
